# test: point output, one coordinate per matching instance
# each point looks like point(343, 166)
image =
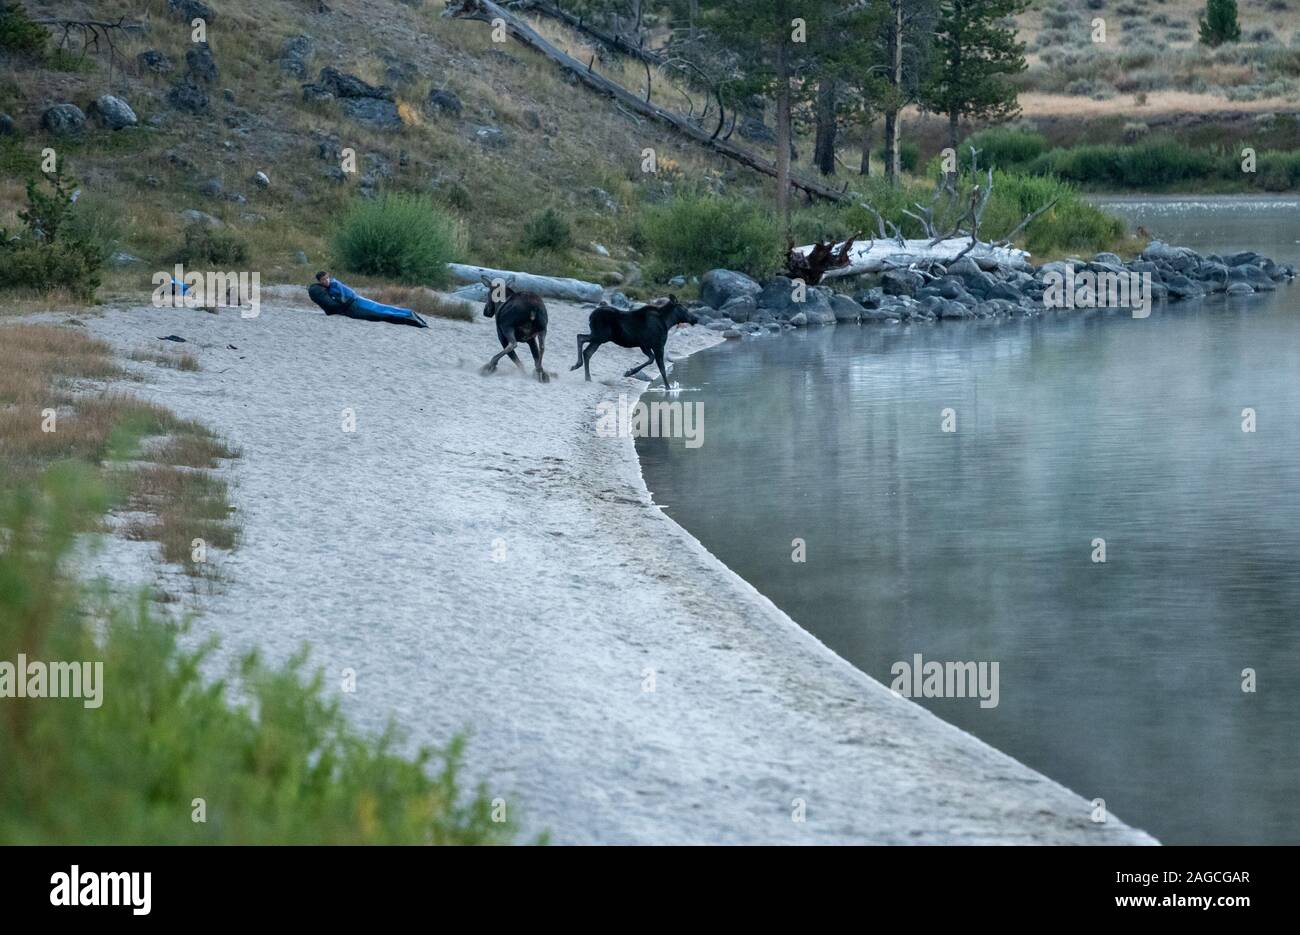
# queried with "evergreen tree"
point(1219, 24)
point(976, 51)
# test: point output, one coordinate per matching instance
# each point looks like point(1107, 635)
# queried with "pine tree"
point(976, 52)
point(1219, 24)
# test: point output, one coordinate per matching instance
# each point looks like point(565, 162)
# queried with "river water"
point(1123, 678)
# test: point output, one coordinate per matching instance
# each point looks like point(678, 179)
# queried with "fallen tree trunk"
point(876, 256)
point(486, 11)
point(552, 287)
point(617, 43)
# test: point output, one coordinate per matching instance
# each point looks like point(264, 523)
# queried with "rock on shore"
point(962, 289)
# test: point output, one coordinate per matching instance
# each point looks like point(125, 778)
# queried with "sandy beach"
point(487, 562)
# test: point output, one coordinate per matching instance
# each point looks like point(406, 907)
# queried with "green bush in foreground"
point(401, 237)
point(693, 234)
point(279, 766)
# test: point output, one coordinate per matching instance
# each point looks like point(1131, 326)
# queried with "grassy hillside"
point(558, 146)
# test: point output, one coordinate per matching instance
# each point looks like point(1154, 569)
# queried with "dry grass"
point(180, 361)
point(55, 405)
point(425, 301)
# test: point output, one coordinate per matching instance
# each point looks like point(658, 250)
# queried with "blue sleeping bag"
point(369, 310)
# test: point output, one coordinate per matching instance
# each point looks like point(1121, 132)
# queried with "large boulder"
point(719, 286)
point(350, 86)
point(740, 308)
point(63, 119)
point(1179, 259)
point(901, 282)
point(845, 309)
point(380, 114)
point(112, 112)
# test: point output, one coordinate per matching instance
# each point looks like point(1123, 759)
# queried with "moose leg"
point(582, 339)
point(649, 359)
point(537, 345)
point(586, 358)
point(659, 359)
point(492, 364)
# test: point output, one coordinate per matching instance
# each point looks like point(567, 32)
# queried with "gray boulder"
point(1179, 259)
point(798, 320)
point(112, 112)
point(63, 119)
point(493, 137)
point(372, 111)
point(963, 266)
point(1180, 287)
point(350, 86)
point(1240, 288)
point(719, 286)
point(845, 309)
point(901, 282)
point(740, 308)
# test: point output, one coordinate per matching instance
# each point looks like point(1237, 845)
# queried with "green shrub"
point(281, 765)
point(41, 267)
point(1003, 148)
point(18, 34)
point(546, 230)
point(1150, 164)
point(205, 246)
point(50, 252)
point(95, 223)
point(694, 233)
point(909, 156)
point(398, 236)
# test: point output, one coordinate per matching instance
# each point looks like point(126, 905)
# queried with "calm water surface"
point(1122, 680)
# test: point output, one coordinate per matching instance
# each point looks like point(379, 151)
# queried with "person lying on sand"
point(330, 294)
point(337, 299)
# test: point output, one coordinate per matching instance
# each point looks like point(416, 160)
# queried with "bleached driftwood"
point(875, 256)
point(553, 287)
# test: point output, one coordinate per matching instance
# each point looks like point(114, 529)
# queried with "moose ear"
point(487, 282)
point(672, 299)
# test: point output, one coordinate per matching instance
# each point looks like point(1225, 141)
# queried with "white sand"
point(377, 547)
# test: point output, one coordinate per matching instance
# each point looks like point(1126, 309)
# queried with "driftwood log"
point(486, 11)
point(876, 256)
point(552, 287)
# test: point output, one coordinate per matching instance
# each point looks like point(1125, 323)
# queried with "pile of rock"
point(735, 304)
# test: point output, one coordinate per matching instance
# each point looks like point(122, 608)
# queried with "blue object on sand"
point(370, 310)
